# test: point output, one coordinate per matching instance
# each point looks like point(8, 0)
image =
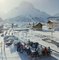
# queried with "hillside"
point(26, 12)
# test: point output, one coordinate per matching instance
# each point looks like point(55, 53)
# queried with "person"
point(18, 46)
point(28, 49)
point(36, 45)
point(46, 51)
point(40, 49)
point(49, 51)
point(24, 47)
point(21, 48)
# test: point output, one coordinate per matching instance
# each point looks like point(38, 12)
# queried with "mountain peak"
point(25, 5)
point(27, 12)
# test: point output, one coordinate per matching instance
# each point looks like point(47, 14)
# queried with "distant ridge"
point(26, 12)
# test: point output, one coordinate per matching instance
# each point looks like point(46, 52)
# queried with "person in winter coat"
point(46, 51)
point(49, 51)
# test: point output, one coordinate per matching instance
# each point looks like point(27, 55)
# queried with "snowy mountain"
point(26, 12)
point(57, 14)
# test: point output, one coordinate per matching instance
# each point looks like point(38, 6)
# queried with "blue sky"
point(49, 6)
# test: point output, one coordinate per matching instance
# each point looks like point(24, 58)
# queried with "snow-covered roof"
point(54, 19)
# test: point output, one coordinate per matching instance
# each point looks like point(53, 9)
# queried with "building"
point(50, 24)
point(37, 26)
point(53, 23)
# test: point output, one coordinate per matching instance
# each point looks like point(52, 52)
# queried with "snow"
point(36, 36)
point(42, 35)
point(10, 53)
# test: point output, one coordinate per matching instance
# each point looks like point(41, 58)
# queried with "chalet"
point(37, 26)
point(50, 24)
point(53, 23)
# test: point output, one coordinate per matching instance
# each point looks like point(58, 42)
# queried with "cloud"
point(49, 6)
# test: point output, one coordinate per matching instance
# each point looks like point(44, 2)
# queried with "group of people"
point(33, 49)
point(46, 51)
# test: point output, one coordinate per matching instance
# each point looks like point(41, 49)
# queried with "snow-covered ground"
point(10, 52)
point(37, 36)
